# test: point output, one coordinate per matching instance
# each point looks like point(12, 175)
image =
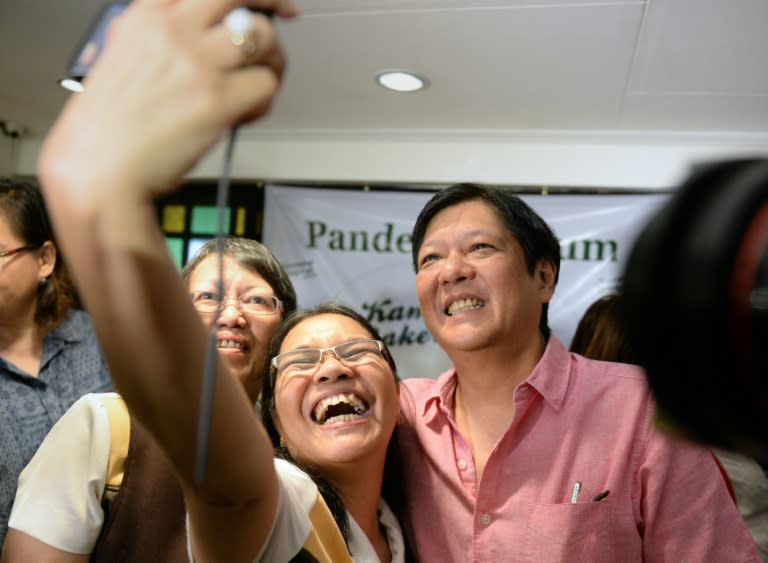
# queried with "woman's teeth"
point(343, 407)
point(229, 344)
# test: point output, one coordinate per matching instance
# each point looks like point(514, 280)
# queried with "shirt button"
point(485, 519)
point(462, 464)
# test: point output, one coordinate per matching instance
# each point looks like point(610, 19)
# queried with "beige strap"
point(325, 541)
point(120, 434)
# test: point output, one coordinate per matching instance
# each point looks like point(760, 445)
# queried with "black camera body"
point(696, 306)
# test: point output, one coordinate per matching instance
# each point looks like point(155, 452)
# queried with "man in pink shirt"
point(523, 451)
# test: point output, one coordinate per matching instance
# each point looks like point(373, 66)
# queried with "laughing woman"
point(330, 405)
point(150, 109)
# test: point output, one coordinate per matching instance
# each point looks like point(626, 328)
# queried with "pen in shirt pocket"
point(576, 490)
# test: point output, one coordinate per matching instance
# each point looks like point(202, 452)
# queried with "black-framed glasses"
point(12, 251)
point(250, 303)
point(304, 361)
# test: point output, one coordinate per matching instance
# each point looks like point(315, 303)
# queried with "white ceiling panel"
point(701, 66)
point(335, 7)
point(703, 47)
point(537, 67)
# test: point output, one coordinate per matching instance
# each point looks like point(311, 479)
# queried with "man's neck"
point(496, 370)
point(483, 402)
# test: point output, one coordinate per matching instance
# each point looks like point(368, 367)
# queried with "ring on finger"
point(242, 32)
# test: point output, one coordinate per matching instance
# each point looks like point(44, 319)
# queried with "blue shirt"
point(71, 366)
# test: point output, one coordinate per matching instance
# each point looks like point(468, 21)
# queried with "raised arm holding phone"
point(172, 80)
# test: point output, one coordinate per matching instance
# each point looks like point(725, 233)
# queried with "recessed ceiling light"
point(401, 80)
point(71, 84)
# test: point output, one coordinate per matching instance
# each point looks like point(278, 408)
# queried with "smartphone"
point(90, 48)
point(93, 44)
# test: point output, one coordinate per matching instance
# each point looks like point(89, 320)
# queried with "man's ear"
point(545, 275)
point(47, 259)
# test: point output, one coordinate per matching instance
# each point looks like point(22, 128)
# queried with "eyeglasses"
point(249, 303)
point(304, 361)
point(11, 252)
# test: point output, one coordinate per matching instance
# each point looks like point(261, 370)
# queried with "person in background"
point(523, 451)
point(78, 472)
point(333, 377)
point(750, 487)
point(601, 335)
point(49, 355)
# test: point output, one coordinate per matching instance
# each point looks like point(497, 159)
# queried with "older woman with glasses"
point(49, 355)
point(257, 293)
point(112, 491)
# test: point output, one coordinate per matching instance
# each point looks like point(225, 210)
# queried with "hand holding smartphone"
point(93, 44)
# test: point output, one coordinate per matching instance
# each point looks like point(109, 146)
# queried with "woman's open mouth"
point(343, 407)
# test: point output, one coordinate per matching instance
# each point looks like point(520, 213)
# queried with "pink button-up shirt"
point(582, 429)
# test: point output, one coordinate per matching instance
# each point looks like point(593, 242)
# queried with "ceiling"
point(641, 68)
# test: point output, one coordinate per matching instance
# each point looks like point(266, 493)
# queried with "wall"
point(551, 159)
point(7, 160)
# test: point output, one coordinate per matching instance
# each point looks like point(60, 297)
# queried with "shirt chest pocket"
point(570, 532)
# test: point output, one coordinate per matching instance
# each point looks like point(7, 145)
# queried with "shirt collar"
point(549, 377)
point(71, 328)
point(441, 394)
point(552, 374)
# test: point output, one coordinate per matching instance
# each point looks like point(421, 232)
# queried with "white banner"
point(354, 247)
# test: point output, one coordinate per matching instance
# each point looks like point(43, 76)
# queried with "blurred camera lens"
point(696, 306)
